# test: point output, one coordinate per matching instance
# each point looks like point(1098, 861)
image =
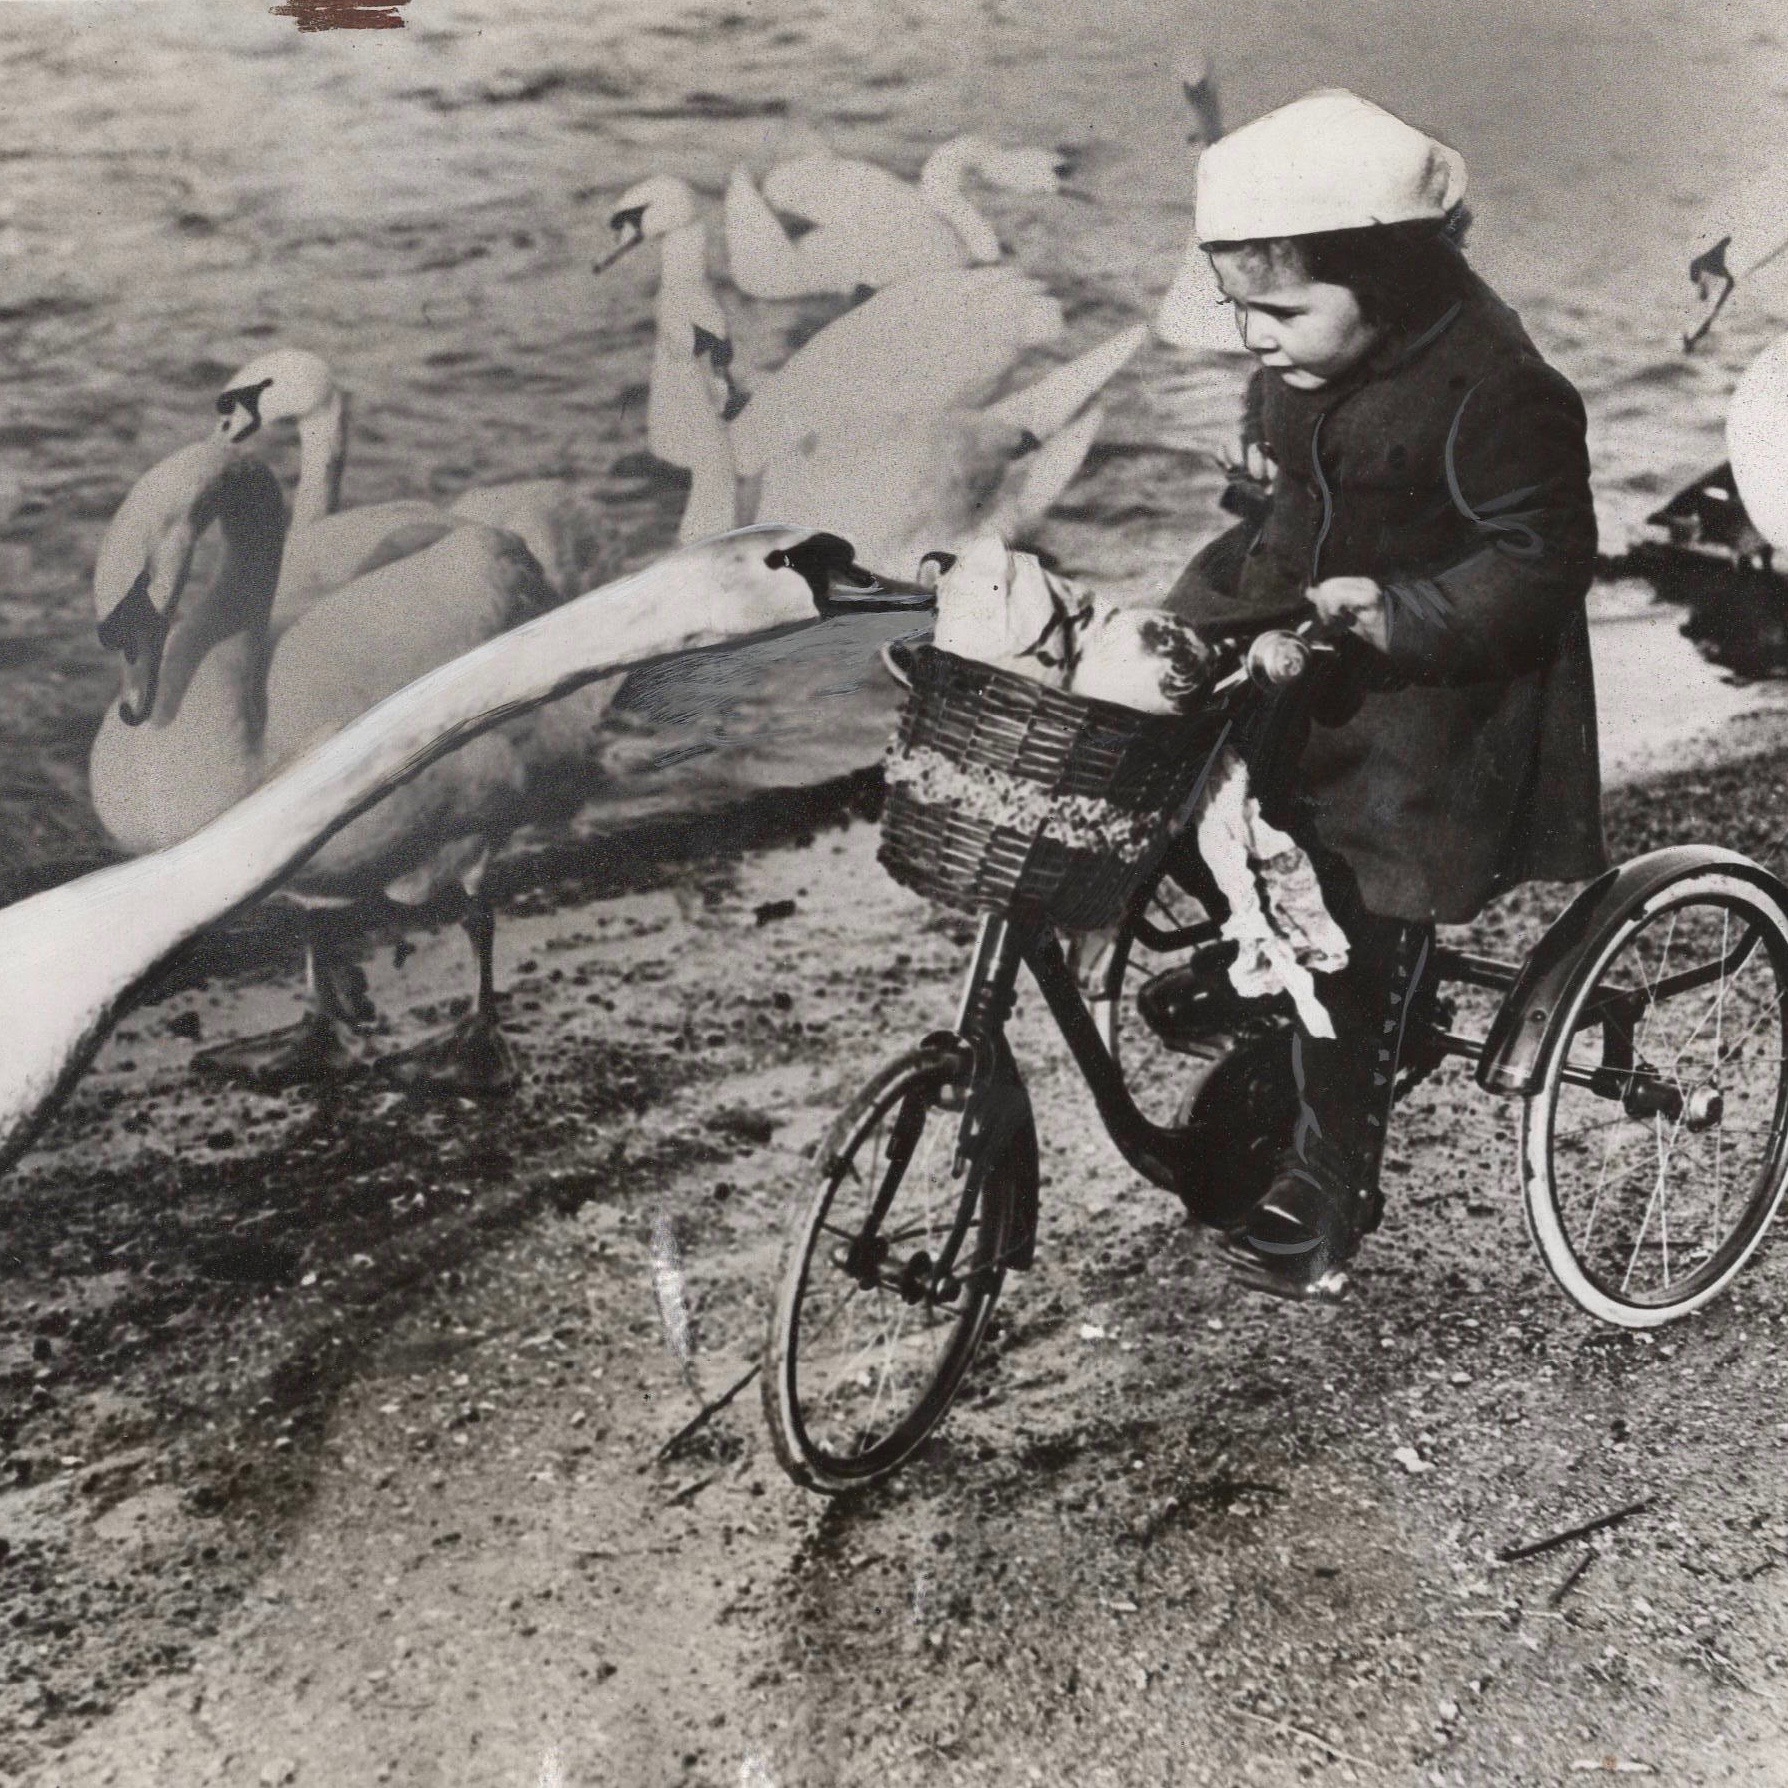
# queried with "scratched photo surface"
point(351, 1435)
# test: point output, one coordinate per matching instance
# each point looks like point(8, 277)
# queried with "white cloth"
point(1328, 161)
point(1281, 927)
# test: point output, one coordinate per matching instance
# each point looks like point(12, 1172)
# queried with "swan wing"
point(546, 516)
point(760, 258)
point(323, 556)
point(1757, 442)
point(390, 627)
point(918, 348)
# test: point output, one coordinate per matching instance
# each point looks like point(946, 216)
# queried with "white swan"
point(1738, 240)
point(1757, 443)
point(71, 959)
point(870, 227)
point(212, 705)
point(686, 421)
point(884, 415)
point(327, 546)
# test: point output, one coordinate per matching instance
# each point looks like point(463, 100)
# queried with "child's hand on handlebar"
point(1354, 602)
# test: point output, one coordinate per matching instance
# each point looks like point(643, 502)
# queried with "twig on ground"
point(690, 1491)
point(1756, 1571)
point(1571, 1580)
point(702, 1417)
point(1509, 1554)
point(1309, 1738)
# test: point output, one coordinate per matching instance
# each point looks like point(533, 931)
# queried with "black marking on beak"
point(717, 348)
point(829, 562)
point(137, 630)
point(248, 397)
point(1710, 265)
point(633, 220)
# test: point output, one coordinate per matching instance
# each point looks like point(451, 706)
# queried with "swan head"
point(145, 558)
point(647, 211)
point(288, 384)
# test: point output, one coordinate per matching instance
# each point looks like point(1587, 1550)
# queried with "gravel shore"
point(333, 1427)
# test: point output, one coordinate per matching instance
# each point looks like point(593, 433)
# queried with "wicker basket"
point(1004, 794)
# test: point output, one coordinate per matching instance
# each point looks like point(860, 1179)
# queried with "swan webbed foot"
point(301, 1054)
point(472, 1060)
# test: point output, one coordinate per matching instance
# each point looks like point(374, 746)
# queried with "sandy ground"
point(334, 1428)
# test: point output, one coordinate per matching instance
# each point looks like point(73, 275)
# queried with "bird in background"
point(888, 416)
point(869, 227)
point(213, 703)
point(327, 545)
point(1740, 242)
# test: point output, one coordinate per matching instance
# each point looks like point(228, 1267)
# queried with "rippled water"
point(186, 183)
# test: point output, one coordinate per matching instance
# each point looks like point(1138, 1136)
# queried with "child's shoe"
point(1297, 1241)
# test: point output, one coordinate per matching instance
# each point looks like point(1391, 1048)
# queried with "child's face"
point(1308, 332)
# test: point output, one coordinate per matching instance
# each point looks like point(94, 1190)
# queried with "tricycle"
point(1643, 1036)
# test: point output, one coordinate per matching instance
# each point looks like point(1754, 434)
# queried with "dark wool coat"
point(1452, 469)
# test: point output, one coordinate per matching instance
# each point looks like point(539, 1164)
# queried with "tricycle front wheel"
point(1655, 1148)
point(891, 1272)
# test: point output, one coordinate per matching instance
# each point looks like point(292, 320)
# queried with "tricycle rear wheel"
point(1655, 1148)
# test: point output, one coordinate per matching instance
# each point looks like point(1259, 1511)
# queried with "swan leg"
point(315, 1048)
point(474, 1057)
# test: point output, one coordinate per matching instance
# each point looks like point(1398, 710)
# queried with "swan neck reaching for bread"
point(71, 958)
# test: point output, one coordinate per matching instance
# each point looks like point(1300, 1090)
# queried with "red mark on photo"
point(343, 15)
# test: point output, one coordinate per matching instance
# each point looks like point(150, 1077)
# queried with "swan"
point(871, 228)
point(1737, 241)
point(884, 415)
point(689, 396)
point(327, 546)
point(211, 705)
point(72, 959)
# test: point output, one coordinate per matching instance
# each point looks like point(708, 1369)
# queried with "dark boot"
point(1324, 1197)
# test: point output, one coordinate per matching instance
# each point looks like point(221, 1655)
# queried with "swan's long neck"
point(251, 518)
point(197, 753)
point(684, 426)
point(322, 452)
point(940, 180)
point(71, 958)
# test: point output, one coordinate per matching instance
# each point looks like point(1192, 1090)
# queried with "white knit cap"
point(1328, 161)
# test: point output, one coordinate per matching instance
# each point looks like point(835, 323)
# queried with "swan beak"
point(840, 585)
point(138, 631)
point(1704, 271)
point(630, 226)
point(247, 400)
